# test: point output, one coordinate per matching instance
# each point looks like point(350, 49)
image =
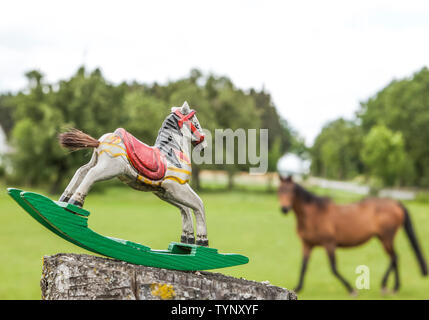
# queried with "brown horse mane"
point(308, 197)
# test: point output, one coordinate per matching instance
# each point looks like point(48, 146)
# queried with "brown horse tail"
point(76, 139)
point(409, 229)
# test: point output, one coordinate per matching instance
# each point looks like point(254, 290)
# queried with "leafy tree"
point(33, 136)
point(144, 114)
point(235, 110)
point(335, 153)
point(279, 129)
point(281, 137)
point(402, 106)
point(85, 101)
point(384, 155)
point(7, 106)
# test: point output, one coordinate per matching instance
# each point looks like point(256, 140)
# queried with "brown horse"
point(321, 222)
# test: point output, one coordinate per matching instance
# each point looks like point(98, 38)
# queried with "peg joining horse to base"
point(321, 222)
point(163, 169)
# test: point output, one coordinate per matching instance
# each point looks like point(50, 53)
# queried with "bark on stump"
point(79, 276)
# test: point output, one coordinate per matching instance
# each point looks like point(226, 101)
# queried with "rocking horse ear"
point(185, 108)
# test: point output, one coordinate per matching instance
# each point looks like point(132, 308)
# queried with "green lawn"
point(249, 223)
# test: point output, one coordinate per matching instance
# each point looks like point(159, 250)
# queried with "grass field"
point(249, 223)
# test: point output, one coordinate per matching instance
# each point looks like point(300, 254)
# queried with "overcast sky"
point(318, 59)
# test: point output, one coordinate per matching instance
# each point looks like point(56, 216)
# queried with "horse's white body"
point(110, 160)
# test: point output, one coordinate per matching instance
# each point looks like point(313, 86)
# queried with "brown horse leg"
point(331, 254)
point(386, 277)
point(388, 246)
point(395, 266)
point(306, 248)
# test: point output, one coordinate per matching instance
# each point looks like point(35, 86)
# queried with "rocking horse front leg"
point(187, 226)
point(187, 222)
point(183, 194)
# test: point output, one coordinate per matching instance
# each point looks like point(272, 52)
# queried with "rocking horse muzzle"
point(199, 138)
point(186, 119)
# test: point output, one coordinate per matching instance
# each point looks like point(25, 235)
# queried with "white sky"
point(318, 59)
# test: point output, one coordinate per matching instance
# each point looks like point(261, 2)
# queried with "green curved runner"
point(71, 223)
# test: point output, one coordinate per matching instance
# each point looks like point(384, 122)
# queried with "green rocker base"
point(71, 223)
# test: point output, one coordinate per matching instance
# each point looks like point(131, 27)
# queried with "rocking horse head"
point(188, 124)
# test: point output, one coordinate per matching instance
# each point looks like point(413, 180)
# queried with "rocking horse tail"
point(76, 139)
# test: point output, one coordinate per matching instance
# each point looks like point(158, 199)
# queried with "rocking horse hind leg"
point(77, 178)
point(106, 168)
point(101, 166)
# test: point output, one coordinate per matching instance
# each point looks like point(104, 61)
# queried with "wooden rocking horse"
point(164, 169)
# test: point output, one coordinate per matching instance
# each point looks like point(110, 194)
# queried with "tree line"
point(33, 117)
point(386, 142)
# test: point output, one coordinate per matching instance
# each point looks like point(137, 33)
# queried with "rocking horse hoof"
point(189, 240)
point(76, 203)
point(64, 199)
point(204, 243)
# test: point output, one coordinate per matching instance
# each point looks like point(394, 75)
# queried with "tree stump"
point(79, 276)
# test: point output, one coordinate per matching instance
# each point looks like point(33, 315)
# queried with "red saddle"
point(148, 161)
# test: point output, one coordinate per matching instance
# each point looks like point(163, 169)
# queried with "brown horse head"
point(286, 193)
point(292, 195)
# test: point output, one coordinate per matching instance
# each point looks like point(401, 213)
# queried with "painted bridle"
point(186, 119)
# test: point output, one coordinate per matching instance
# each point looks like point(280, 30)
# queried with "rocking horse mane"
point(308, 197)
point(165, 141)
